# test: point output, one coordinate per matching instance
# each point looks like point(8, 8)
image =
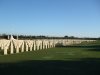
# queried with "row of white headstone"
point(15, 46)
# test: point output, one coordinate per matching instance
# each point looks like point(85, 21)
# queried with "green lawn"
point(82, 59)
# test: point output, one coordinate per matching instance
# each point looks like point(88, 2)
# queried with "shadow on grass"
point(94, 49)
point(83, 46)
point(1, 52)
point(89, 66)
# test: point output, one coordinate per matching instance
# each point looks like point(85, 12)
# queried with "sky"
point(79, 18)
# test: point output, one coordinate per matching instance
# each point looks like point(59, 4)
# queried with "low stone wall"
point(15, 46)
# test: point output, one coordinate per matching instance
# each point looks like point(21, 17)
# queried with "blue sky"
point(50, 17)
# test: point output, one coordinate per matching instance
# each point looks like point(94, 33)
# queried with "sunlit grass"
point(76, 52)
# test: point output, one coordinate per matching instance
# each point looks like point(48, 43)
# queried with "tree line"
point(7, 36)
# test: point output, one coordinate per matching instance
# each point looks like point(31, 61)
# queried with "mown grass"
point(81, 59)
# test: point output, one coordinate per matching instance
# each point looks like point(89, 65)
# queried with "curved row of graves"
point(15, 46)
